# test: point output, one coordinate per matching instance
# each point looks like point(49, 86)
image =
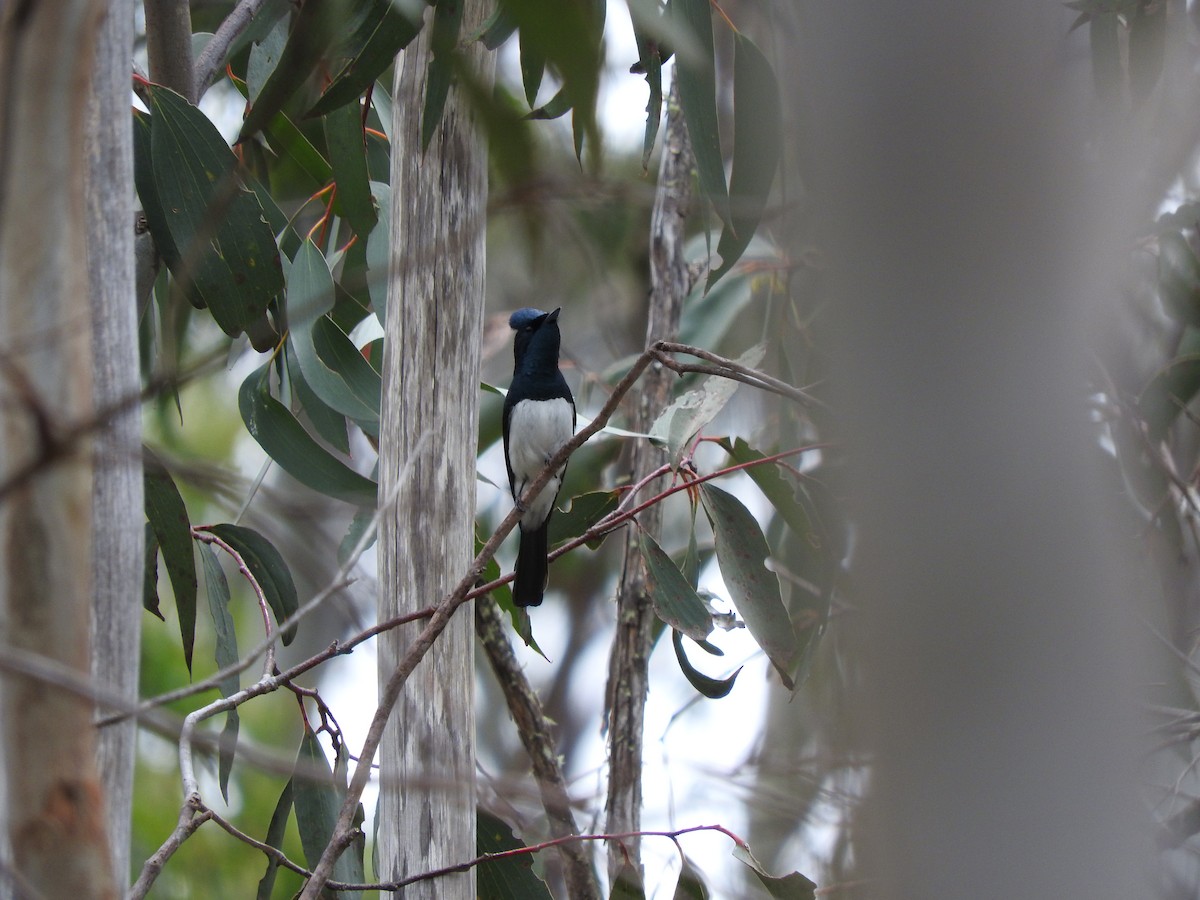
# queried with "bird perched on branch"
point(539, 417)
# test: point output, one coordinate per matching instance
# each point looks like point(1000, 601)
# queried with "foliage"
point(281, 241)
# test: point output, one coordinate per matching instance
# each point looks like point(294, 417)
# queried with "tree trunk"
point(430, 423)
point(118, 548)
point(628, 674)
point(54, 815)
point(968, 251)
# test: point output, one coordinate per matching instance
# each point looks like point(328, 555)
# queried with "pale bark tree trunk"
point(968, 252)
point(118, 548)
point(628, 674)
point(430, 422)
point(54, 807)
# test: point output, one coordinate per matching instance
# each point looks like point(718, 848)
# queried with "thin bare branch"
point(212, 57)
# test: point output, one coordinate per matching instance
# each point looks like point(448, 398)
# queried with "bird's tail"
point(530, 580)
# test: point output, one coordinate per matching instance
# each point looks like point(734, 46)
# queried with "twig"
point(212, 57)
point(204, 534)
point(534, 730)
point(728, 368)
point(190, 818)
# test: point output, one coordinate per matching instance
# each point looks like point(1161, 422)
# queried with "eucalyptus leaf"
point(267, 567)
point(168, 518)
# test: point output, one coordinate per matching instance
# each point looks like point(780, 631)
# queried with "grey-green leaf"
point(691, 884)
point(757, 145)
point(318, 800)
point(742, 552)
point(675, 600)
point(168, 518)
point(150, 600)
point(275, 834)
point(712, 688)
point(285, 441)
point(217, 589)
point(792, 886)
point(268, 569)
point(511, 878)
point(698, 99)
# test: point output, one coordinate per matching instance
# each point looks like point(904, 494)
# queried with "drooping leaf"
point(687, 415)
point(757, 146)
point(358, 527)
point(288, 141)
point(274, 838)
point(650, 60)
point(287, 443)
point(1173, 387)
point(792, 886)
point(269, 570)
point(497, 29)
point(584, 512)
point(378, 252)
point(388, 29)
point(533, 66)
point(169, 519)
point(312, 34)
point(328, 423)
point(310, 297)
point(628, 884)
point(712, 688)
point(511, 878)
point(217, 589)
point(698, 99)
point(1179, 278)
point(318, 798)
point(150, 600)
point(675, 600)
point(691, 884)
point(447, 20)
point(264, 57)
point(554, 108)
point(346, 141)
point(742, 552)
point(220, 247)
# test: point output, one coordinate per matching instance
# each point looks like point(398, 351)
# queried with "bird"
point(539, 417)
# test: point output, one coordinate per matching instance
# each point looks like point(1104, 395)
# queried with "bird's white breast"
point(536, 430)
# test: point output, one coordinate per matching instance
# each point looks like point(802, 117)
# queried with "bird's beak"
point(553, 317)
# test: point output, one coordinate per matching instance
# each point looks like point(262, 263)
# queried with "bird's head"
point(537, 338)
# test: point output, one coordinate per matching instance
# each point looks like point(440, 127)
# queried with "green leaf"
point(584, 512)
point(533, 66)
point(651, 63)
point(447, 19)
point(150, 600)
point(1173, 387)
point(757, 146)
point(712, 688)
point(169, 520)
point(742, 552)
point(285, 441)
point(346, 141)
point(313, 33)
point(554, 108)
point(389, 29)
point(220, 247)
point(289, 142)
point(275, 834)
point(318, 799)
point(628, 884)
point(264, 57)
point(497, 29)
point(1179, 278)
point(217, 589)
point(328, 423)
point(358, 527)
point(353, 390)
point(675, 600)
point(698, 99)
point(269, 570)
point(510, 878)
point(378, 253)
point(691, 885)
point(793, 886)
